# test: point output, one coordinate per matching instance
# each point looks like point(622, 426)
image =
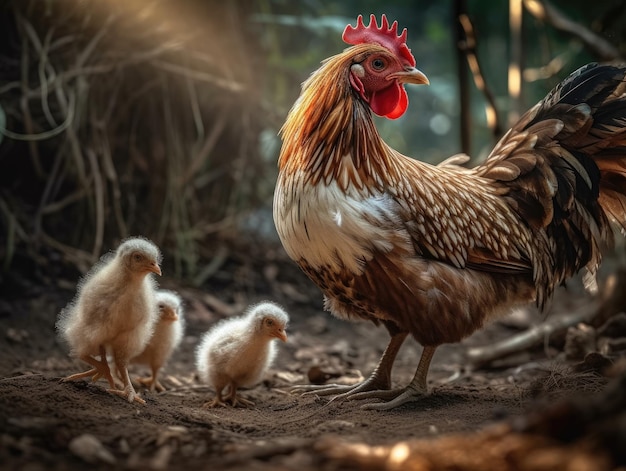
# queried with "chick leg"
point(151, 382)
point(236, 399)
point(218, 401)
point(414, 391)
point(128, 392)
point(379, 380)
point(100, 369)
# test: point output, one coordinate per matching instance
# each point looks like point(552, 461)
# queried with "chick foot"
point(232, 400)
point(238, 400)
point(100, 370)
point(217, 402)
point(235, 399)
point(128, 393)
point(152, 383)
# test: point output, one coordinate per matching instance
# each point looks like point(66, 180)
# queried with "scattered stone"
point(90, 449)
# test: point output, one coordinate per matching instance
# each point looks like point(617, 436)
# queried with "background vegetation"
point(160, 117)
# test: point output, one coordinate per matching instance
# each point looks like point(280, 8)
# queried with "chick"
point(236, 352)
point(168, 332)
point(113, 313)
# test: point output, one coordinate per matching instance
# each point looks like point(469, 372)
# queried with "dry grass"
point(129, 117)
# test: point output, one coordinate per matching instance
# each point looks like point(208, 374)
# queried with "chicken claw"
point(414, 391)
point(378, 382)
point(398, 397)
point(344, 391)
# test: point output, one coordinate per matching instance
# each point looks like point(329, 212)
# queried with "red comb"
point(386, 36)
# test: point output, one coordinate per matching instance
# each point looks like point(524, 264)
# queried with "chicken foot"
point(100, 369)
point(128, 392)
point(379, 381)
point(414, 391)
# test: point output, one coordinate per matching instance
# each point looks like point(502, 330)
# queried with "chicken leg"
point(379, 381)
point(100, 369)
point(414, 391)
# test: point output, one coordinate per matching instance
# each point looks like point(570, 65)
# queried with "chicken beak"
point(154, 268)
point(411, 75)
point(281, 334)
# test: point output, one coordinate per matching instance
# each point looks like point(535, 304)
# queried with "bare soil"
point(40, 418)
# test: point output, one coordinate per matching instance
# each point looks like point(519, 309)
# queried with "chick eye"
point(270, 322)
point(378, 64)
point(138, 257)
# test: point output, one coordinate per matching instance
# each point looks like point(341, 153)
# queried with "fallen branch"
point(530, 338)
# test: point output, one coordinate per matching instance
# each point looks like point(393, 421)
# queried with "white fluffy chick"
point(167, 335)
point(236, 352)
point(114, 312)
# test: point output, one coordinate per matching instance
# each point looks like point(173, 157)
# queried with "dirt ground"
point(42, 421)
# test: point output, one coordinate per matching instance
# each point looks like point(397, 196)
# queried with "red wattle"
point(401, 107)
point(391, 102)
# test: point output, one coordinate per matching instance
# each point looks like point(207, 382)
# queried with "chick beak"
point(170, 315)
point(411, 75)
point(281, 334)
point(154, 268)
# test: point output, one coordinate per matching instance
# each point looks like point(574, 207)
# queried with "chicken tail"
point(562, 168)
point(598, 129)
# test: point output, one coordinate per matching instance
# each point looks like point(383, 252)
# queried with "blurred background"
point(161, 117)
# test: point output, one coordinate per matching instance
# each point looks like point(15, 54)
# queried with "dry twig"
point(545, 11)
point(532, 337)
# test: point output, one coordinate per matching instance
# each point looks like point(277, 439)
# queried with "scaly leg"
point(378, 381)
point(128, 392)
point(414, 391)
point(100, 369)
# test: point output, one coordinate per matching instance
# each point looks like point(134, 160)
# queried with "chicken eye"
point(378, 64)
point(138, 257)
point(270, 322)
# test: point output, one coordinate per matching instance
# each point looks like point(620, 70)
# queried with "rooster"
point(437, 251)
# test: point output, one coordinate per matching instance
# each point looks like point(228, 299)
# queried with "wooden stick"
point(532, 337)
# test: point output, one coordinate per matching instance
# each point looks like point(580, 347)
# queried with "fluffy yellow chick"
point(113, 313)
point(168, 332)
point(236, 352)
